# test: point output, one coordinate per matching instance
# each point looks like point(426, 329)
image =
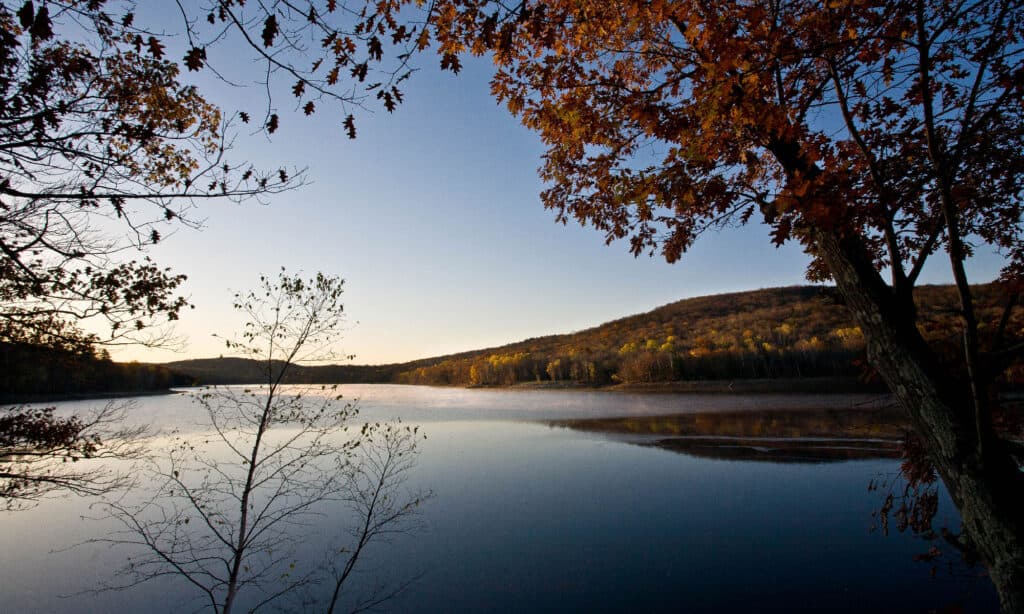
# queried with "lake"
point(578, 501)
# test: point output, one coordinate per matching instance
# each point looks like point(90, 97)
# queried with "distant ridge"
point(773, 333)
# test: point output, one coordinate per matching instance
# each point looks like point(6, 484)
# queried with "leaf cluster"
point(104, 141)
point(98, 132)
point(665, 119)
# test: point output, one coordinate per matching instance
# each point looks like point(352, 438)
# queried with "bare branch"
point(231, 503)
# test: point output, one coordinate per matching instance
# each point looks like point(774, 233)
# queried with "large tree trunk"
point(984, 482)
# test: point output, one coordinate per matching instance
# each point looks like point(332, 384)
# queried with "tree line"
point(237, 370)
point(791, 332)
point(779, 333)
point(28, 370)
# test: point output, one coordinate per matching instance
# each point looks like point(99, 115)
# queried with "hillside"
point(793, 332)
point(772, 333)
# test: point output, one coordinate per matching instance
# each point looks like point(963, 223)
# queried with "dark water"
point(739, 504)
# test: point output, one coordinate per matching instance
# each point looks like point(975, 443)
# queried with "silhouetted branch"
point(229, 504)
point(42, 454)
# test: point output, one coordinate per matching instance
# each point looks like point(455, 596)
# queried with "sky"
point(433, 217)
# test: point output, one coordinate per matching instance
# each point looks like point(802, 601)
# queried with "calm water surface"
point(537, 509)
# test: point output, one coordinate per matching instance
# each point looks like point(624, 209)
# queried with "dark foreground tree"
point(103, 139)
point(105, 145)
point(228, 506)
point(875, 133)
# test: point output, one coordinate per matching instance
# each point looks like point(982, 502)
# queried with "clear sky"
point(433, 217)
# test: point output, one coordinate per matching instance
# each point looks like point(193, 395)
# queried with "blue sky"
point(433, 217)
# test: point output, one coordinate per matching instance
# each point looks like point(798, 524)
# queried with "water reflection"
point(536, 509)
point(778, 436)
point(909, 497)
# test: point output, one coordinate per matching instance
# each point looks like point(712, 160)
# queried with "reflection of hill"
point(781, 450)
point(774, 435)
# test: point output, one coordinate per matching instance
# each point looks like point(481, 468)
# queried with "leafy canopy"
point(891, 120)
point(104, 140)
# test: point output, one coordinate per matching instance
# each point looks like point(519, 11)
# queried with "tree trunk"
point(985, 483)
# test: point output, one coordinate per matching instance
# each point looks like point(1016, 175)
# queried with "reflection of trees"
point(911, 497)
point(910, 504)
point(42, 453)
point(770, 435)
point(909, 500)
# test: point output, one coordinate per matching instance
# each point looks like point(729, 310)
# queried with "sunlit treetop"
point(663, 119)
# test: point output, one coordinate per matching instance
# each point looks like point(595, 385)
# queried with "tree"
point(98, 121)
point(42, 453)
point(104, 141)
point(227, 502)
point(875, 133)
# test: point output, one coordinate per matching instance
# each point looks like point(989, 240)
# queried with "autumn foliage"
point(107, 145)
point(664, 119)
point(794, 332)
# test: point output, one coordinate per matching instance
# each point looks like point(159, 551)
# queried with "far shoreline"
point(807, 385)
point(63, 397)
point(795, 385)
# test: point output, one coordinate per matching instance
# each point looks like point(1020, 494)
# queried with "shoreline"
point(35, 399)
point(808, 385)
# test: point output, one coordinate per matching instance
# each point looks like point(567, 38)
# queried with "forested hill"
point(794, 332)
point(772, 333)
